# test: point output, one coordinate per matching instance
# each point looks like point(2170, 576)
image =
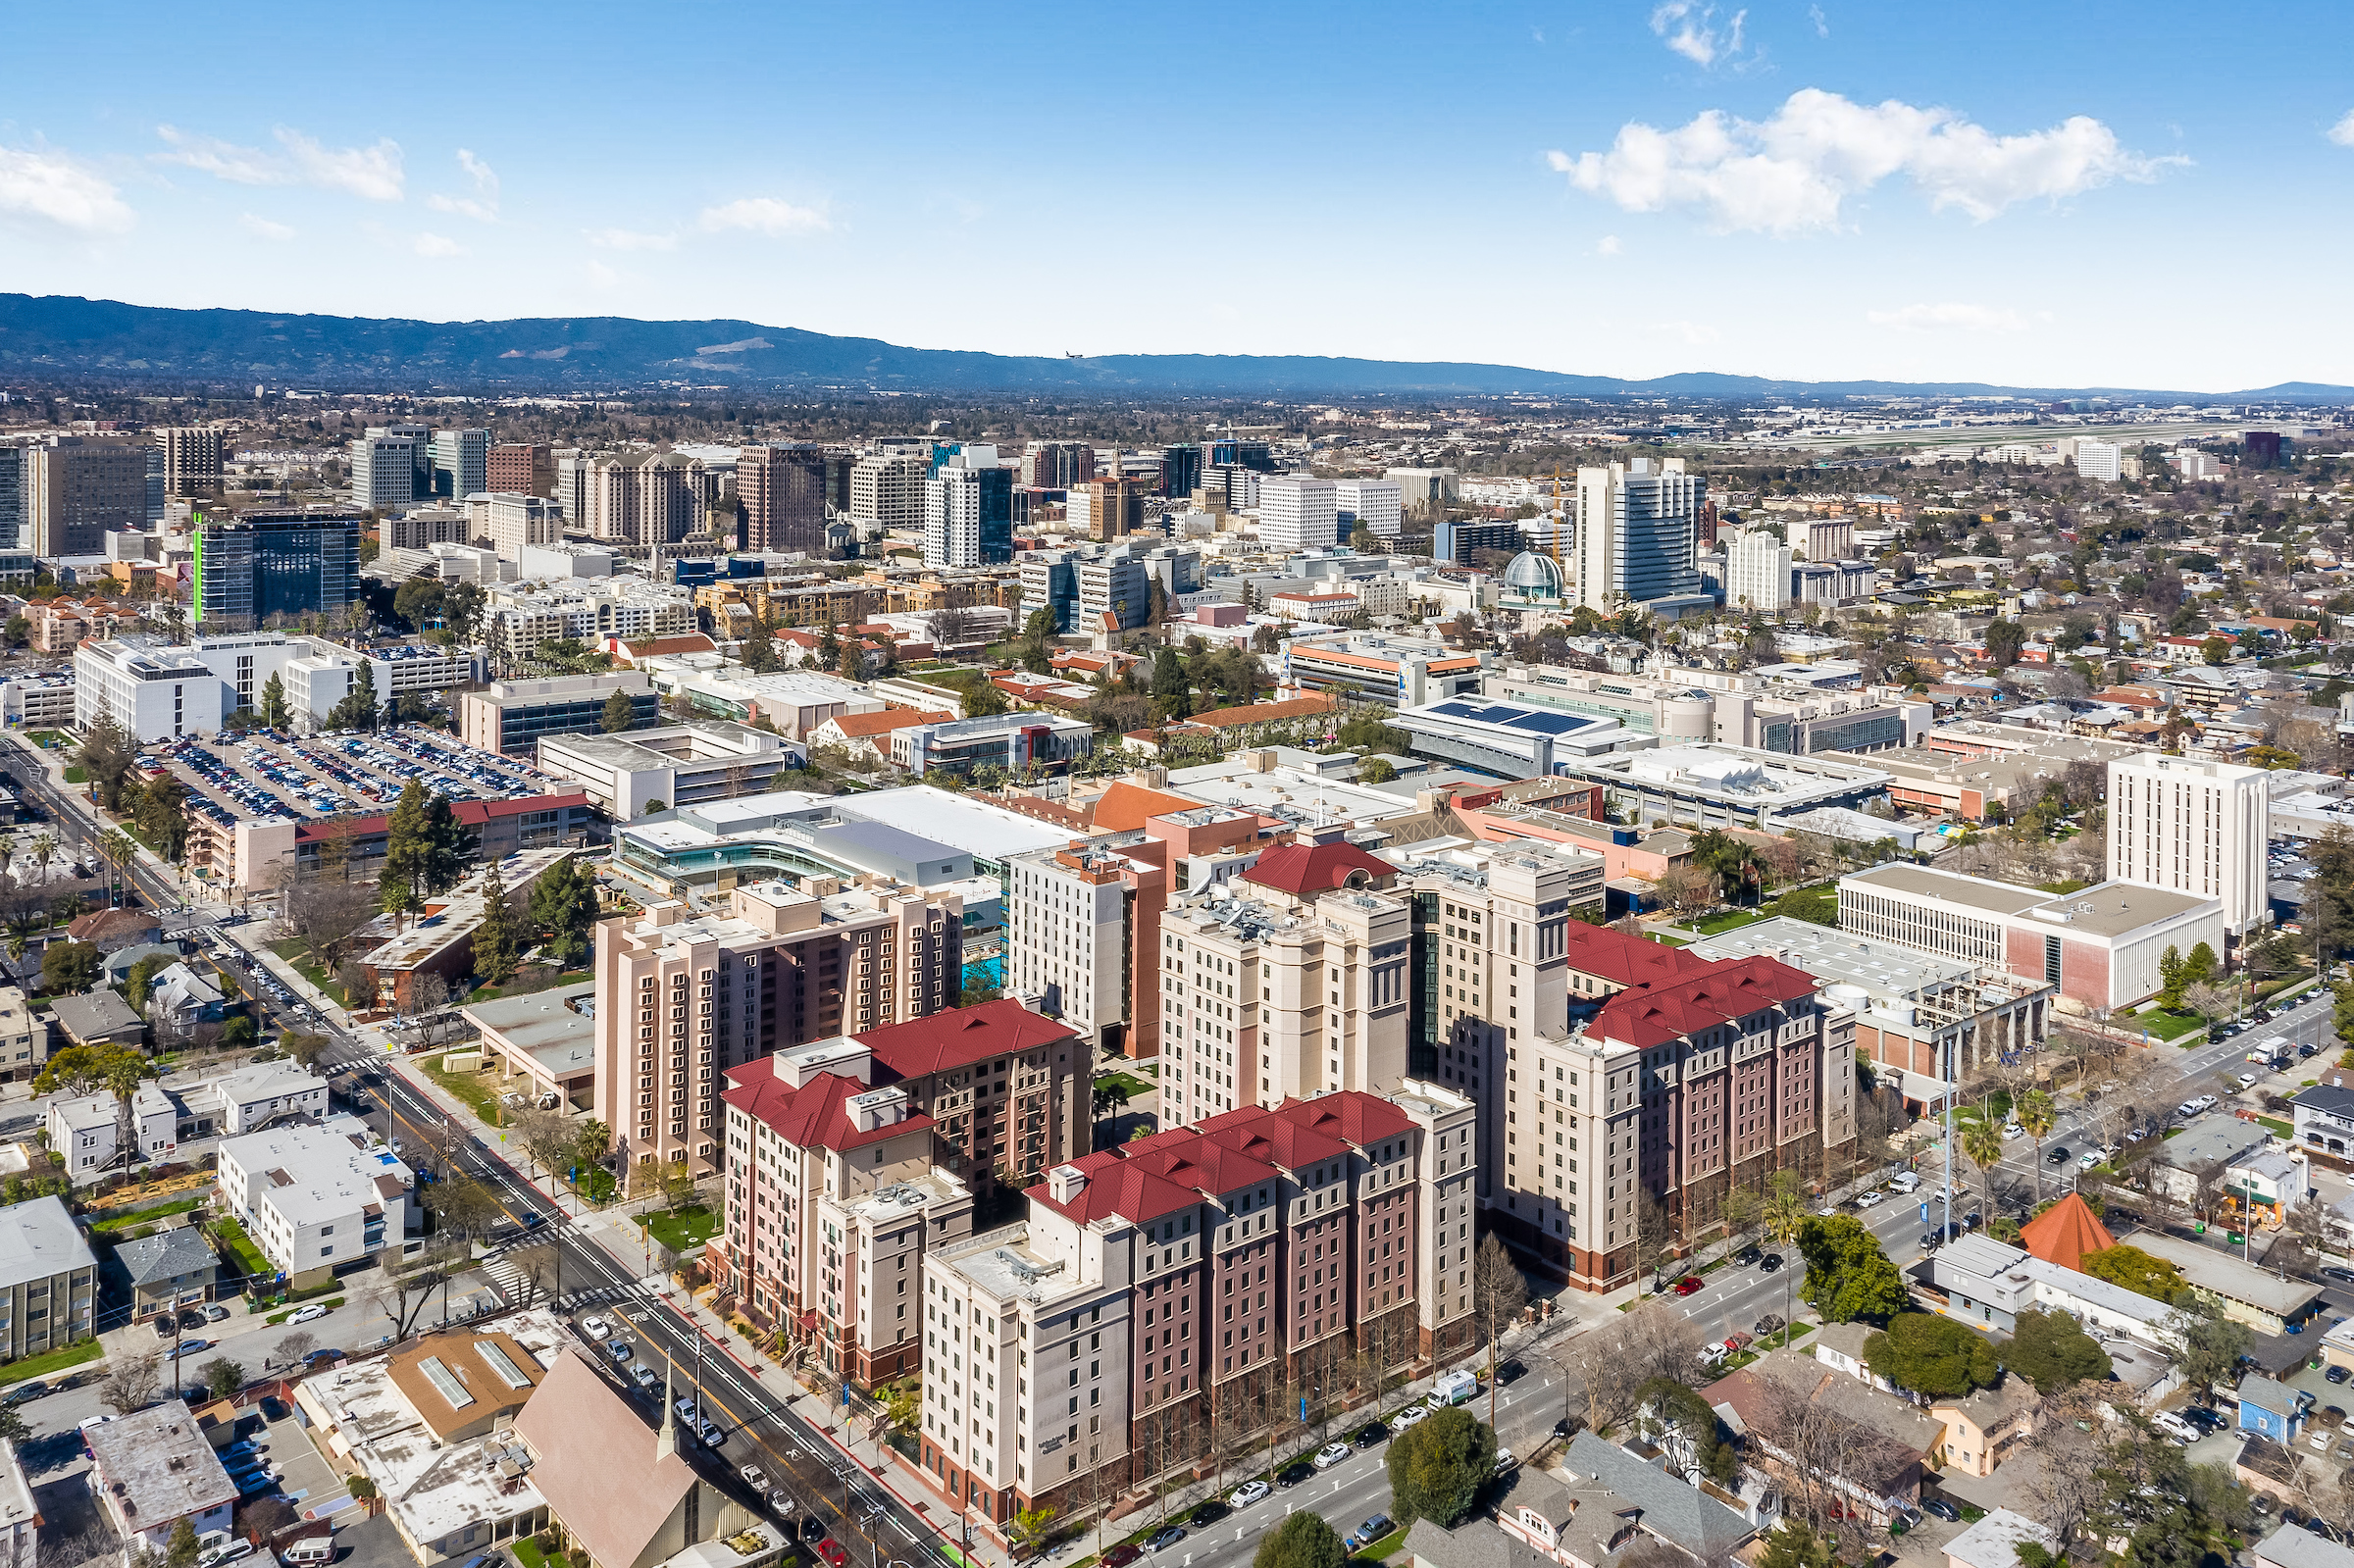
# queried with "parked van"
point(1455, 1387)
point(311, 1551)
point(2273, 1049)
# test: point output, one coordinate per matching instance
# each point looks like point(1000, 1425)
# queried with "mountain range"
point(59, 338)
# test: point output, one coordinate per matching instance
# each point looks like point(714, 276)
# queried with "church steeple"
point(666, 1440)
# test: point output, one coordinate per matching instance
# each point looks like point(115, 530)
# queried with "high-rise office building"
point(384, 472)
point(16, 475)
point(1180, 471)
point(461, 463)
point(264, 563)
point(2192, 827)
point(2100, 460)
point(155, 487)
point(1375, 504)
point(1637, 532)
point(889, 488)
point(1058, 465)
point(421, 455)
point(520, 468)
point(1757, 573)
point(77, 492)
point(193, 459)
point(1239, 454)
point(968, 511)
point(781, 486)
point(1106, 509)
point(1296, 512)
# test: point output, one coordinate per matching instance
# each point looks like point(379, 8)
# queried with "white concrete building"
point(317, 1197)
point(2192, 827)
point(627, 775)
point(1757, 573)
point(2100, 460)
point(514, 521)
point(48, 1278)
point(1377, 504)
point(1637, 532)
point(85, 1131)
point(1071, 933)
point(1296, 512)
point(954, 501)
point(384, 472)
point(324, 677)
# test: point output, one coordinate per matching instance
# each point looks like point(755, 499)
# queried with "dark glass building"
point(1180, 470)
point(266, 564)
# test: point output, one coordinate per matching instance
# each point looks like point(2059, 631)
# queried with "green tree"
point(119, 1070)
point(400, 880)
point(2036, 1115)
point(1983, 1145)
point(1437, 1465)
point(2004, 640)
point(108, 756)
point(223, 1378)
point(1784, 1216)
point(1377, 769)
point(564, 906)
point(2215, 649)
point(70, 966)
point(1932, 1355)
point(1794, 1545)
point(1302, 1541)
point(1849, 1278)
point(181, 1550)
point(139, 984)
point(1170, 688)
point(2049, 1351)
point(1364, 731)
point(1675, 1406)
point(620, 713)
point(274, 703)
point(2204, 1343)
point(357, 710)
point(2199, 968)
point(447, 846)
point(163, 817)
point(495, 952)
point(2137, 1271)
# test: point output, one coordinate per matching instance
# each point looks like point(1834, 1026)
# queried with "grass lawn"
point(1378, 1551)
point(596, 1185)
point(40, 1366)
point(537, 977)
point(114, 1223)
point(681, 1230)
point(1133, 1085)
point(48, 740)
point(1725, 920)
point(241, 1249)
point(2274, 1124)
point(296, 952)
point(528, 1553)
point(479, 1095)
point(2166, 1025)
point(1666, 940)
point(78, 774)
point(280, 1317)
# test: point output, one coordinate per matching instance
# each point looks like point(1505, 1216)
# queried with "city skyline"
point(1685, 178)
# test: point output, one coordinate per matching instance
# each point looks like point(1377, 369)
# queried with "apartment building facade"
point(192, 459)
point(2192, 827)
point(1297, 512)
point(888, 488)
point(683, 996)
point(520, 468)
point(75, 491)
point(1083, 928)
point(1164, 1297)
point(781, 489)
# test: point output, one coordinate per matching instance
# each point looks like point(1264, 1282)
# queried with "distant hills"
point(63, 338)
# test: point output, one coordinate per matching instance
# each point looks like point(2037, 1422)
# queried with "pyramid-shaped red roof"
point(958, 1038)
point(2064, 1232)
point(1305, 870)
point(1658, 1011)
point(1624, 960)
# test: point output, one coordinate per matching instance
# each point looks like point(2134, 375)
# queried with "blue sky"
point(2144, 195)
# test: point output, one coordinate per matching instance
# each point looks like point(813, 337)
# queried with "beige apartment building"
point(77, 490)
point(192, 455)
point(890, 490)
point(1288, 980)
point(683, 996)
point(1173, 1293)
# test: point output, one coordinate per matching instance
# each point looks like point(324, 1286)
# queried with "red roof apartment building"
point(1168, 1294)
point(847, 1158)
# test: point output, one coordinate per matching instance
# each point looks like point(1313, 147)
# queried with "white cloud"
point(263, 228)
point(1796, 170)
point(767, 216)
point(430, 244)
point(482, 205)
point(600, 275)
point(2343, 131)
point(373, 174)
point(629, 239)
point(1823, 23)
point(1693, 334)
point(1690, 29)
point(49, 185)
point(1607, 245)
point(1948, 317)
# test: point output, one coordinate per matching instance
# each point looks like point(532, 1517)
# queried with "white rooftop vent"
point(1065, 1183)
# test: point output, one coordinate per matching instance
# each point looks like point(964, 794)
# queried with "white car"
point(754, 1477)
point(1505, 1460)
point(1332, 1454)
point(1249, 1492)
point(2089, 1161)
point(1871, 1197)
point(2247, 1081)
point(1408, 1417)
point(2012, 1129)
point(227, 1552)
point(307, 1314)
point(595, 1328)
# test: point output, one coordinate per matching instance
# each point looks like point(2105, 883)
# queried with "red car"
point(831, 1549)
point(1738, 1342)
point(1120, 1556)
point(1688, 1284)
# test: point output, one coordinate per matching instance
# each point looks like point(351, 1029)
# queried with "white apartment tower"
point(1637, 531)
point(1757, 573)
point(2100, 460)
point(1296, 512)
point(2192, 827)
point(1376, 504)
point(956, 501)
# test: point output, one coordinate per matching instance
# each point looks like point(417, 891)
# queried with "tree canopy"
point(1849, 1278)
point(2137, 1271)
point(1932, 1355)
point(1437, 1465)
point(2050, 1352)
point(1302, 1541)
point(1679, 1409)
point(70, 966)
point(564, 906)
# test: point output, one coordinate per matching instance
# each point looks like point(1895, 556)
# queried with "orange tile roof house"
point(859, 732)
point(1250, 721)
point(2065, 1233)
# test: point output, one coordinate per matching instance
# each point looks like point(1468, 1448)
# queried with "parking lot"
point(270, 774)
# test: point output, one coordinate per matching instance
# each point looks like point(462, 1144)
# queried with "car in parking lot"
point(2247, 1080)
point(1249, 1492)
point(228, 1551)
point(1164, 1540)
point(1942, 1509)
point(1505, 1460)
point(2174, 1426)
point(2012, 1129)
point(2338, 1374)
point(1332, 1454)
point(216, 1313)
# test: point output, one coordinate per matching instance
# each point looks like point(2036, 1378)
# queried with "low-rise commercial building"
point(511, 716)
point(440, 940)
point(316, 1198)
point(646, 771)
point(1708, 785)
point(153, 1468)
point(548, 1039)
point(1011, 741)
point(255, 856)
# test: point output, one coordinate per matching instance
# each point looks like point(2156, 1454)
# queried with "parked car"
point(646, 1378)
point(780, 1503)
point(1749, 1256)
point(1689, 1283)
point(26, 1393)
point(1369, 1531)
point(831, 1549)
point(1408, 1417)
point(711, 1434)
point(1164, 1540)
point(1370, 1433)
point(1505, 1460)
point(1293, 1474)
point(1774, 1261)
point(1119, 1556)
point(1868, 1199)
point(2337, 1374)
point(2090, 1160)
point(1207, 1512)
point(216, 1313)
point(2056, 1154)
point(1770, 1322)
point(1332, 1454)
point(595, 1328)
point(619, 1350)
point(1942, 1509)
point(307, 1314)
point(2012, 1129)
point(1249, 1492)
point(228, 1551)
point(1509, 1371)
point(754, 1477)
point(191, 1346)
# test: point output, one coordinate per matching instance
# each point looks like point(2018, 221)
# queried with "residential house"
point(2272, 1409)
point(153, 1468)
point(2324, 1118)
point(23, 1039)
point(100, 1018)
point(170, 1269)
point(2295, 1547)
point(1877, 1477)
point(1994, 1542)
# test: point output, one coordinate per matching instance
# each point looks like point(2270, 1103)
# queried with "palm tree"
point(2035, 1115)
point(119, 849)
point(44, 852)
point(1983, 1143)
point(1784, 1214)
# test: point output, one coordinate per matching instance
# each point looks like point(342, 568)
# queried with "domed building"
point(1533, 582)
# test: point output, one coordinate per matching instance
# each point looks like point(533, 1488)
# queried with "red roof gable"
point(1352, 1116)
point(2064, 1232)
point(1117, 1188)
point(1265, 1136)
point(1305, 869)
point(1655, 1013)
point(811, 1116)
point(1624, 960)
point(959, 1038)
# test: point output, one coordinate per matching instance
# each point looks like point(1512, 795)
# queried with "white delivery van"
point(1455, 1387)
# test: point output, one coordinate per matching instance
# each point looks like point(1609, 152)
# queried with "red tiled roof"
point(811, 1116)
point(859, 724)
point(654, 647)
point(1265, 1135)
point(1117, 1188)
point(1350, 1115)
point(1303, 869)
point(1124, 807)
point(2064, 1232)
point(1624, 960)
point(472, 813)
point(960, 1037)
point(1250, 713)
point(1655, 1012)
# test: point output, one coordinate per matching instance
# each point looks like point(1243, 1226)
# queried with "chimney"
point(1066, 1182)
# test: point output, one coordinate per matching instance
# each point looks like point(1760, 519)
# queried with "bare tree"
point(132, 1382)
point(429, 1016)
point(403, 1296)
point(2065, 1488)
point(541, 1271)
point(549, 1138)
point(291, 1348)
